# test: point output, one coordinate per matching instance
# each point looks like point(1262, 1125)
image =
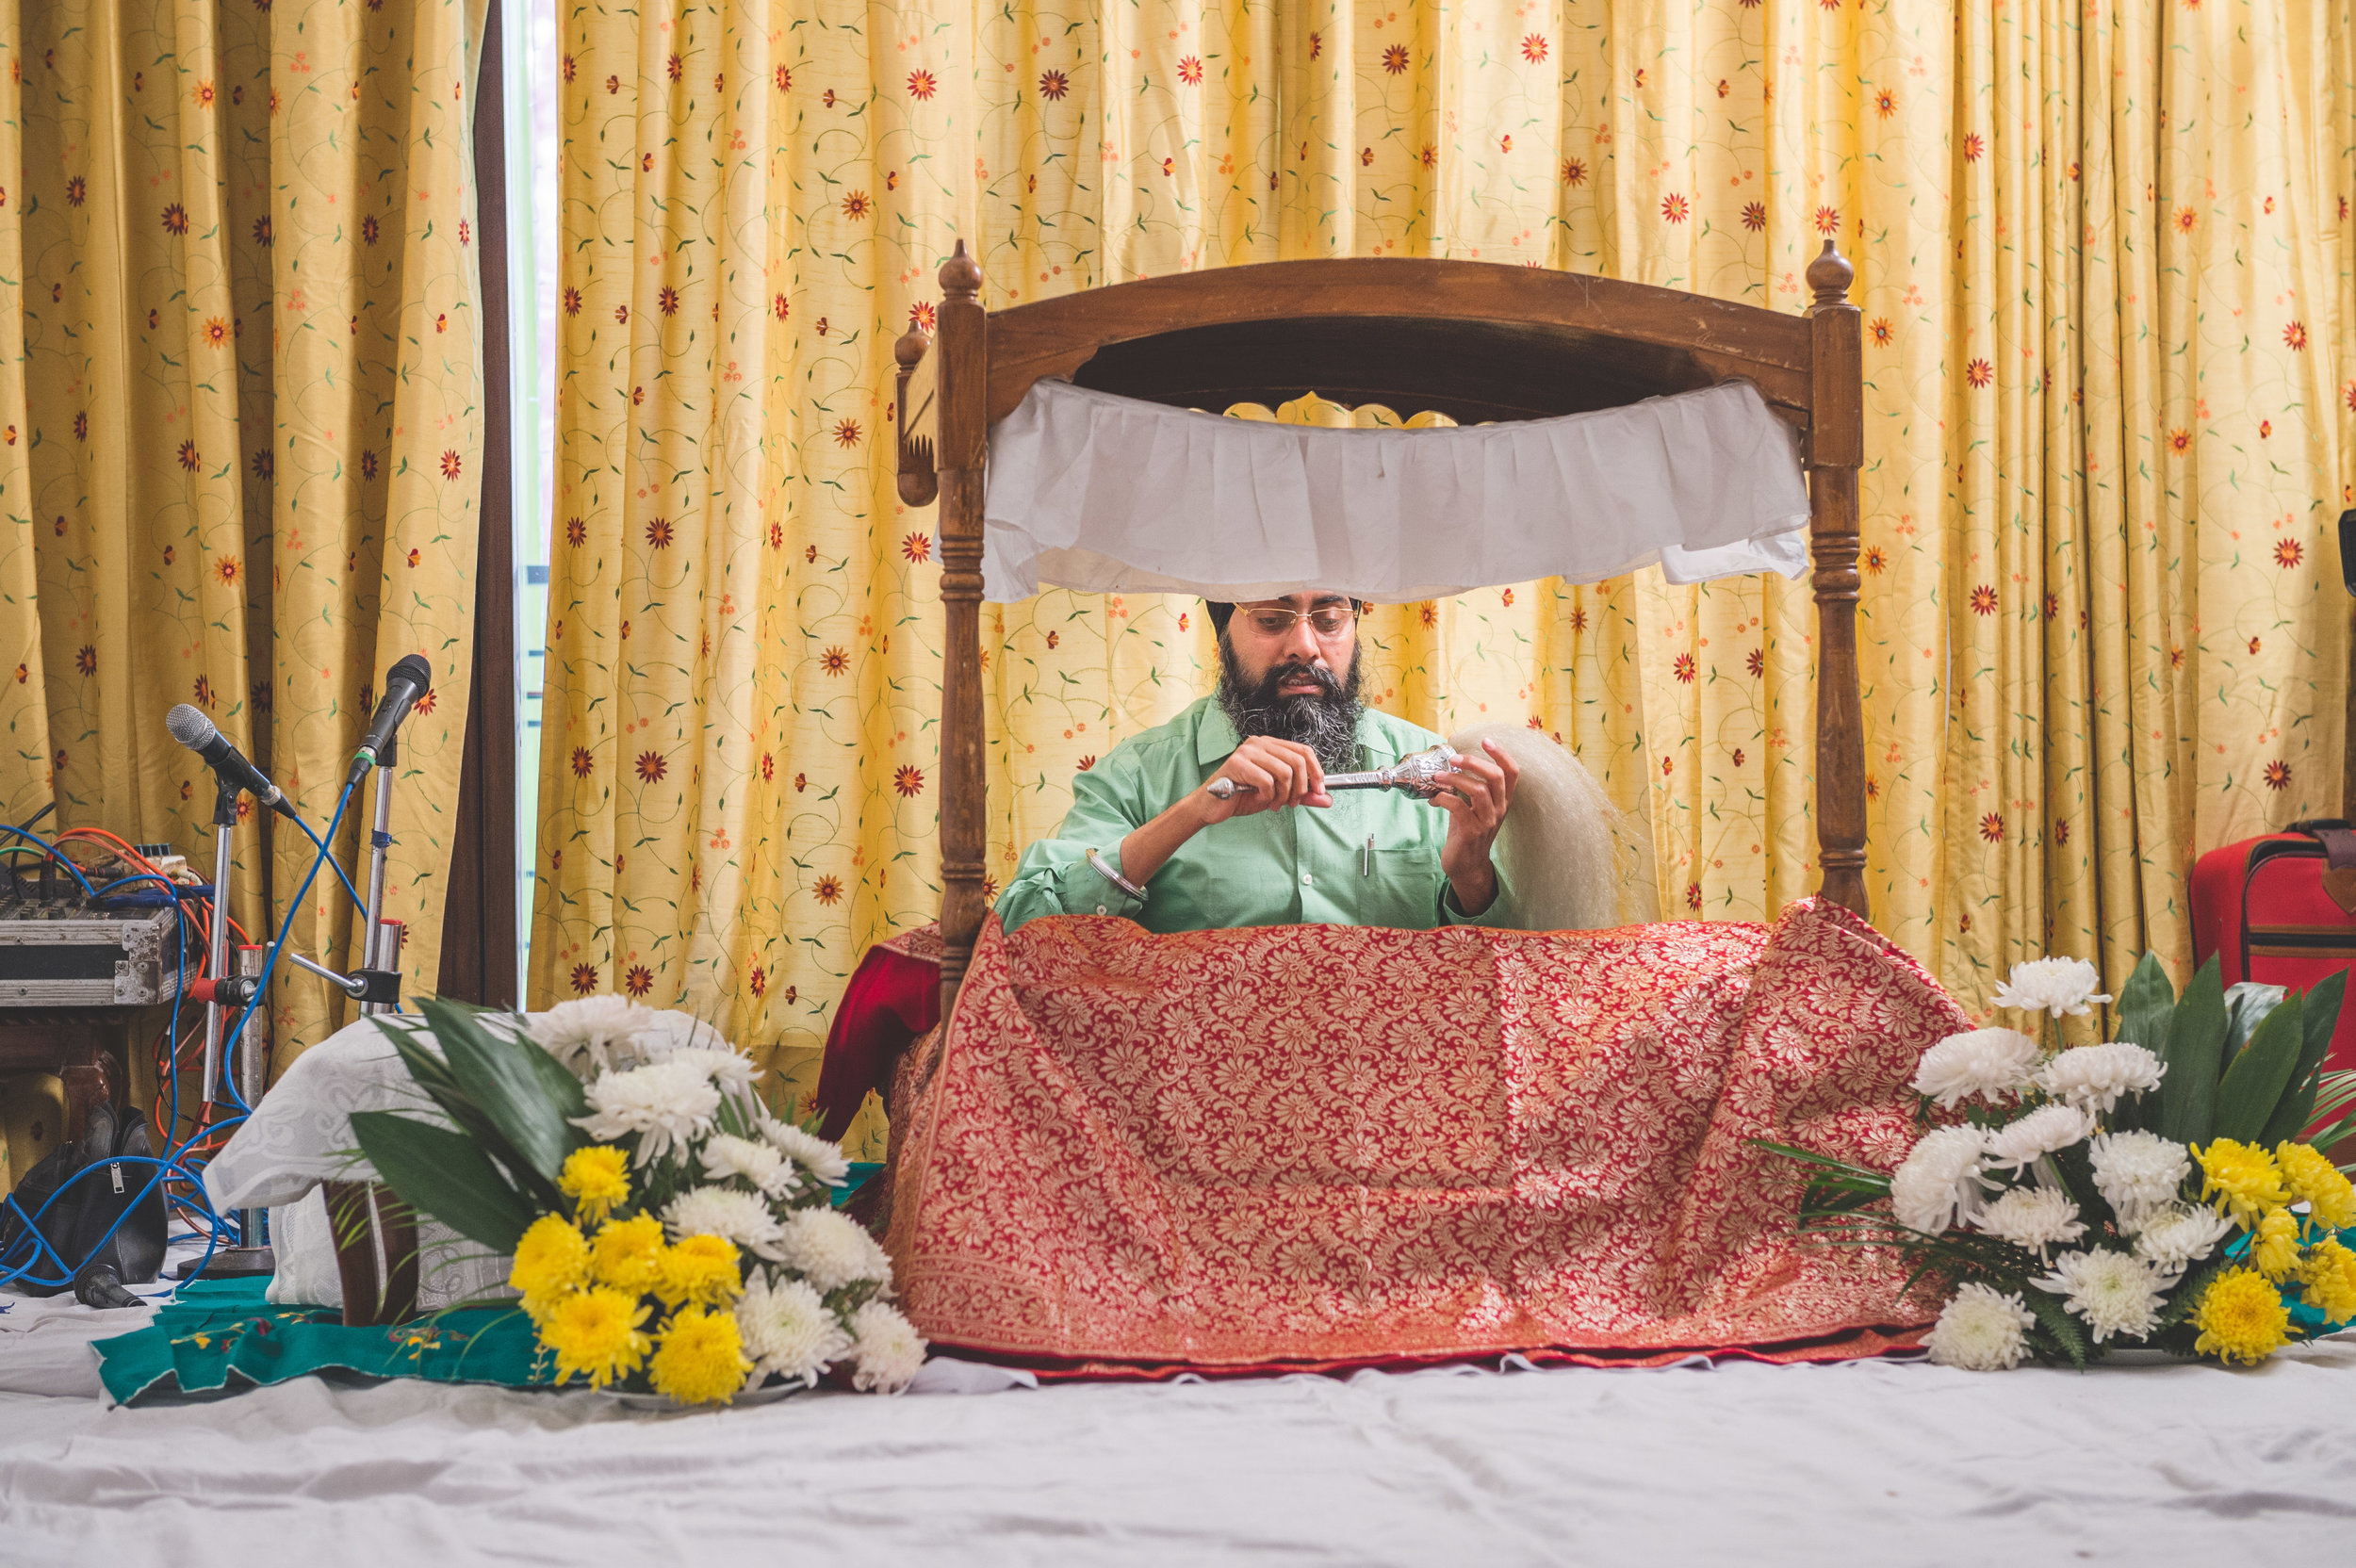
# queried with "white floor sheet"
point(1873, 1462)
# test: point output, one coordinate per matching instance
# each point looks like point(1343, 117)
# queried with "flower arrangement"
point(2164, 1190)
point(669, 1234)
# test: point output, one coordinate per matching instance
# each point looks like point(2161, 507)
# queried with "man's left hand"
point(1476, 794)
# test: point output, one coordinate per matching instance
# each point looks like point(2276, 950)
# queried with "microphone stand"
point(375, 963)
point(250, 1256)
point(217, 956)
point(376, 985)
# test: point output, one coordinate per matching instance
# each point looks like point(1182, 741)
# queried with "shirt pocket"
point(1404, 890)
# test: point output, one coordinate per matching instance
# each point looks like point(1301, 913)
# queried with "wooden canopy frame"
point(1472, 339)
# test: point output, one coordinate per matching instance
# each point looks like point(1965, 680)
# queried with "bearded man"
point(1147, 841)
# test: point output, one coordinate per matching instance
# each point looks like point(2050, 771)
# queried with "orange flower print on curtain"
point(241, 456)
point(2070, 684)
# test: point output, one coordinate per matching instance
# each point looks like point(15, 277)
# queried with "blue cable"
point(358, 902)
point(172, 1163)
point(54, 853)
point(294, 906)
point(164, 1166)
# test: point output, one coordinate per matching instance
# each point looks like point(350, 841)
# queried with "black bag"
point(97, 1187)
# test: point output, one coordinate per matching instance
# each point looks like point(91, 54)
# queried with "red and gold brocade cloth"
point(1323, 1146)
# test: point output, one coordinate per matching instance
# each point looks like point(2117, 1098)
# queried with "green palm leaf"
point(2319, 1018)
point(446, 1175)
point(2147, 1003)
point(2253, 1085)
point(2195, 1042)
point(518, 1087)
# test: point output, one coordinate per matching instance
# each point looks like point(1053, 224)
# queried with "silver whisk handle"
point(1413, 774)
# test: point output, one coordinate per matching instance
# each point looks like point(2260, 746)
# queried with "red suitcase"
point(2280, 910)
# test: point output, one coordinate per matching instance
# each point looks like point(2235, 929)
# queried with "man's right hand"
point(1277, 773)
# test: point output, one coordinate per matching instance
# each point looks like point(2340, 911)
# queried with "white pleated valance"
point(1112, 494)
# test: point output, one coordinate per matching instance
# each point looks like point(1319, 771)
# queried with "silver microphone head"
point(190, 727)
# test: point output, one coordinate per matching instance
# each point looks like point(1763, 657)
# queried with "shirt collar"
point(1215, 736)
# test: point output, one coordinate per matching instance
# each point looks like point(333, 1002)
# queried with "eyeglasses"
point(1328, 620)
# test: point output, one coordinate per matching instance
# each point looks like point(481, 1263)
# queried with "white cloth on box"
point(1112, 494)
point(300, 1136)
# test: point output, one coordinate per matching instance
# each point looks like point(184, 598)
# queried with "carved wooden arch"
point(1491, 340)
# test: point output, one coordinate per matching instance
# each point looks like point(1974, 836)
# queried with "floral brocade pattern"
point(1288, 1145)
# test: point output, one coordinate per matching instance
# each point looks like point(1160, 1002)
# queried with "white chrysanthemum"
point(2055, 986)
point(2172, 1239)
point(822, 1159)
point(742, 1217)
point(788, 1330)
point(1980, 1330)
point(662, 1102)
point(2117, 1293)
point(2035, 1136)
point(2033, 1218)
point(887, 1349)
point(831, 1249)
point(1993, 1064)
point(732, 1070)
point(1941, 1180)
point(2137, 1173)
point(592, 1034)
point(2094, 1077)
point(726, 1155)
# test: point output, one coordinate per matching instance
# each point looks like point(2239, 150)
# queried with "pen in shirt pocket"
point(1367, 865)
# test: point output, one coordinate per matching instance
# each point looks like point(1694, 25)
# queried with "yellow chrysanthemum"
point(2244, 1175)
point(2329, 1276)
point(597, 1179)
point(627, 1253)
point(2274, 1252)
point(551, 1260)
point(700, 1359)
point(2241, 1318)
point(595, 1333)
point(700, 1271)
point(2310, 1175)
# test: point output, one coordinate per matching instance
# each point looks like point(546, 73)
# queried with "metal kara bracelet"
point(1097, 862)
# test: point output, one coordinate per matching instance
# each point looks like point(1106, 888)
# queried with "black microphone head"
point(411, 667)
point(190, 727)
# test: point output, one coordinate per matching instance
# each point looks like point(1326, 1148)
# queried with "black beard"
point(1326, 723)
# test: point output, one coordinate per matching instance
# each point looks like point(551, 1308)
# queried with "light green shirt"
point(1370, 858)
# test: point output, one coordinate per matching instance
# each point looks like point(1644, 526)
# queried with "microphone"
point(192, 730)
point(404, 683)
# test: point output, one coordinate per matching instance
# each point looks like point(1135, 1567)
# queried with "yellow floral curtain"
point(240, 381)
point(2101, 262)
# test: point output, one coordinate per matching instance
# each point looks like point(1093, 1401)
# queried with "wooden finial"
point(919, 482)
point(1830, 275)
point(960, 275)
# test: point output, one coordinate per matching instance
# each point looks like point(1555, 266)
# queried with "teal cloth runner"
point(221, 1334)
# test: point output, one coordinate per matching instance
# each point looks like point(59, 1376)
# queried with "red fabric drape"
point(1328, 1146)
point(894, 996)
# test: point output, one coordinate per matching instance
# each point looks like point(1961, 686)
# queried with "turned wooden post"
point(1835, 448)
point(962, 397)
